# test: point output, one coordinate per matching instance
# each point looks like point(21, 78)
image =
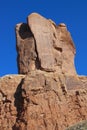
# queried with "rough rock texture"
point(47, 94)
point(26, 49)
point(8, 111)
point(42, 101)
point(43, 45)
point(79, 126)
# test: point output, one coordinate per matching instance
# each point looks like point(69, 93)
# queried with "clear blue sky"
point(72, 12)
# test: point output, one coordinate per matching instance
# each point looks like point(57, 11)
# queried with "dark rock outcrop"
point(47, 94)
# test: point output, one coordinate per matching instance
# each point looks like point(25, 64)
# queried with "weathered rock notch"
point(43, 45)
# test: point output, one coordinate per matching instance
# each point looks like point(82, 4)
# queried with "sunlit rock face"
point(42, 45)
point(47, 94)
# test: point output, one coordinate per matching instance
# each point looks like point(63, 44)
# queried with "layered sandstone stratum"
point(47, 94)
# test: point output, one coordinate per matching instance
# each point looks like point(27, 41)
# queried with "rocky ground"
point(80, 126)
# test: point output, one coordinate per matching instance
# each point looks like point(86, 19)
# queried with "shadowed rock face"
point(45, 46)
point(26, 49)
point(49, 95)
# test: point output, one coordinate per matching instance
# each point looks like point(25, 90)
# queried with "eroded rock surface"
point(43, 45)
point(42, 101)
point(47, 94)
point(26, 49)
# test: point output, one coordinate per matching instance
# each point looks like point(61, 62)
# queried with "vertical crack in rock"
point(21, 120)
point(37, 61)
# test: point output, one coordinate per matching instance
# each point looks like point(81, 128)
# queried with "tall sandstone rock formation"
point(44, 46)
point(47, 94)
